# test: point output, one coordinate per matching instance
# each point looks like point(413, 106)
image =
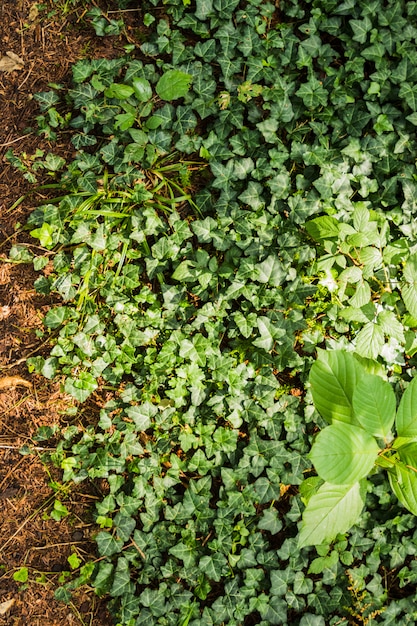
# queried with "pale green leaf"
point(370, 340)
point(343, 454)
point(173, 84)
point(403, 476)
point(406, 420)
point(333, 510)
point(142, 415)
point(374, 405)
point(409, 285)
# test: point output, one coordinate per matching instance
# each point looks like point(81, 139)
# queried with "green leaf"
point(374, 405)
point(360, 29)
point(142, 89)
point(333, 510)
point(121, 581)
point(409, 93)
point(333, 378)
point(74, 560)
point(186, 553)
point(369, 341)
point(44, 234)
point(142, 415)
point(82, 387)
point(271, 271)
point(270, 521)
point(403, 476)
point(173, 85)
point(119, 91)
point(309, 619)
point(56, 317)
point(107, 545)
point(409, 285)
point(406, 419)
point(321, 228)
point(343, 454)
point(213, 566)
point(22, 575)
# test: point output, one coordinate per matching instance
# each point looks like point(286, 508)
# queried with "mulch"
point(48, 42)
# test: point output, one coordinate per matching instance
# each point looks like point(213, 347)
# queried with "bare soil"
point(48, 42)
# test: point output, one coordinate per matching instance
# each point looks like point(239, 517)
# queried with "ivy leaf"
point(173, 84)
point(271, 271)
point(142, 89)
point(374, 405)
point(213, 566)
point(56, 317)
point(107, 544)
point(332, 510)
point(184, 552)
point(203, 9)
point(121, 581)
point(309, 619)
point(142, 415)
point(313, 94)
point(270, 521)
point(409, 93)
point(119, 91)
point(82, 387)
point(343, 454)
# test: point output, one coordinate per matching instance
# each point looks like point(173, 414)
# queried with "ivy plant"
point(242, 193)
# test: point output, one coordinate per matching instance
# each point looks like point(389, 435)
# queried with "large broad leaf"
point(333, 510)
point(406, 420)
point(343, 454)
point(333, 378)
point(173, 84)
point(374, 405)
point(403, 477)
point(409, 285)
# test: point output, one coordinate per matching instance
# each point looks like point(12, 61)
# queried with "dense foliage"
point(244, 191)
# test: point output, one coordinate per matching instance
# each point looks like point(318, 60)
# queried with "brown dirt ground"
point(28, 536)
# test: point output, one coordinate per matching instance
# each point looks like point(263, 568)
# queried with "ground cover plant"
point(243, 193)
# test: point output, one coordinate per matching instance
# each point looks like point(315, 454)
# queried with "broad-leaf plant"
point(360, 408)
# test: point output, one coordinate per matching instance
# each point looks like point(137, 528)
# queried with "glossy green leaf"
point(142, 89)
point(332, 510)
point(343, 454)
point(374, 405)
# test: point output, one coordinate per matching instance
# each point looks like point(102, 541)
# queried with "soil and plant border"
point(205, 242)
